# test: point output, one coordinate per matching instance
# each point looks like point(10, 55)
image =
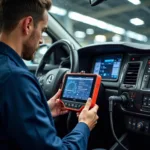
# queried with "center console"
point(136, 84)
point(134, 79)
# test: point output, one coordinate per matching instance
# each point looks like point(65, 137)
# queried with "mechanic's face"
point(32, 43)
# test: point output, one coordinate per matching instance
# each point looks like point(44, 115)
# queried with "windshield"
point(112, 20)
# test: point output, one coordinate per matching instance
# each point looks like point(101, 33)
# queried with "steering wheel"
point(51, 81)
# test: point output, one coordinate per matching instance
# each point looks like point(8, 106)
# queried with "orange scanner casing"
point(77, 104)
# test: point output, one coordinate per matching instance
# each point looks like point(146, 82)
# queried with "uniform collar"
point(6, 50)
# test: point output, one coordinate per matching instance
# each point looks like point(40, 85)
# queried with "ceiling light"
point(136, 21)
point(116, 38)
point(80, 34)
point(106, 26)
point(100, 38)
point(95, 22)
point(89, 31)
point(58, 11)
point(135, 2)
point(137, 36)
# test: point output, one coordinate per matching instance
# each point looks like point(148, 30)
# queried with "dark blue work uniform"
point(25, 119)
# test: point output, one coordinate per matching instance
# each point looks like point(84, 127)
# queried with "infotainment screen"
point(108, 67)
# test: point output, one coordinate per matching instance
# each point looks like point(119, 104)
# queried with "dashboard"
point(125, 68)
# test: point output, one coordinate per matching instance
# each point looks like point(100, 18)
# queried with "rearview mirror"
point(95, 2)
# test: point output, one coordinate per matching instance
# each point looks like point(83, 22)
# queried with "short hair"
point(14, 10)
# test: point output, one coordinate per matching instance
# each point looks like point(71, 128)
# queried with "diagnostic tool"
point(77, 88)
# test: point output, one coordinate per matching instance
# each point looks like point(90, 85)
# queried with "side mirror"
point(95, 2)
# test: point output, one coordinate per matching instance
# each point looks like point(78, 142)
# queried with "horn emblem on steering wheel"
point(50, 79)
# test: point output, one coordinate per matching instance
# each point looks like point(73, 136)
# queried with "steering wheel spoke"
point(41, 80)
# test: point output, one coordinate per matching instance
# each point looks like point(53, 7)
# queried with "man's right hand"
point(89, 116)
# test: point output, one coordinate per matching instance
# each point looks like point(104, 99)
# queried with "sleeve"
point(29, 124)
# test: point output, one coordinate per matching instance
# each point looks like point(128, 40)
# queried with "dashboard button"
point(146, 127)
point(144, 103)
point(75, 105)
point(72, 105)
point(145, 98)
point(129, 123)
point(79, 105)
point(134, 124)
point(140, 126)
point(65, 103)
point(146, 78)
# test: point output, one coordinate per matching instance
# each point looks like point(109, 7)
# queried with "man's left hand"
point(56, 107)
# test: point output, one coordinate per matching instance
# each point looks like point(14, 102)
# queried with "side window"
point(47, 41)
point(46, 38)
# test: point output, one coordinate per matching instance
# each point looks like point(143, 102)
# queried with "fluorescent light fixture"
point(135, 2)
point(106, 26)
point(100, 38)
point(90, 31)
point(116, 38)
point(137, 36)
point(95, 22)
point(58, 11)
point(80, 34)
point(136, 21)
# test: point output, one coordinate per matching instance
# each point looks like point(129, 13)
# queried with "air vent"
point(132, 73)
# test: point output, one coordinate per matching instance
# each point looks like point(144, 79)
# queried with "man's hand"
point(87, 116)
point(56, 107)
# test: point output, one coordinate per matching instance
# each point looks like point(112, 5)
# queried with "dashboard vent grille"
point(132, 73)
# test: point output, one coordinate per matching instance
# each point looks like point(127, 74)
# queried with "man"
point(25, 118)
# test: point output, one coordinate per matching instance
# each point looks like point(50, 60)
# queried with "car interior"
point(118, 51)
